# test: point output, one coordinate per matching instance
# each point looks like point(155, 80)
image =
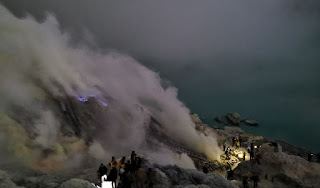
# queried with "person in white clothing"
point(105, 183)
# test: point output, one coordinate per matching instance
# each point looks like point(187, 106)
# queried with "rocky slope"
point(280, 164)
point(55, 165)
point(278, 167)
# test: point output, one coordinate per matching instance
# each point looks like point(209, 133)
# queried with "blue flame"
point(83, 99)
point(103, 103)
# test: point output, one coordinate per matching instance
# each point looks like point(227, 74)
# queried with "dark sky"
point(258, 58)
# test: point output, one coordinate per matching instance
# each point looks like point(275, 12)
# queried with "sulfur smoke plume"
point(40, 66)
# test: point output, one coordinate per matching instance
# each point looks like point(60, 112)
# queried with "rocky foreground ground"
point(280, 165)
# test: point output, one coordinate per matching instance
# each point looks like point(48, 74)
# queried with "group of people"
point(254, 153)
point(237, 140)
point(245, 181)
point(118, 168)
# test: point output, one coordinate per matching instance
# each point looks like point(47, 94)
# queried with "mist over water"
point(257, 58)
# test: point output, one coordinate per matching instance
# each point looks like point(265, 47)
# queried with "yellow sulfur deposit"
point(60, 153)
point(16, 137)
point(78, 146)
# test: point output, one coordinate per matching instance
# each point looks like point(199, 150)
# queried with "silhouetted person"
point(113, 177)
point(244, 156)
point(227, 152)
point(310, 156)
point(230, 174)
point(149, 178)
point(251, 155)
point(251, 151)
point(266, 176)
point(126, 180)
point(224, 145)
point(122, 165)
point(255, 181)
point(238, 144)
point(258, 157)
point(245, 182)
point(240, 141)
point(102, 171)
point(205, 170)
point(138, 161)
point(122, 162)
point(233, 141)
point(133, 161)
point(127, 167)
point(113, 162)
point(318, 157)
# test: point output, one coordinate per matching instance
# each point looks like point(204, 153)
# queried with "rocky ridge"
point(278, 165)
point(281, 164)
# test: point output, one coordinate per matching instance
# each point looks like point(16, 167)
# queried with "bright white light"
point(105, 184)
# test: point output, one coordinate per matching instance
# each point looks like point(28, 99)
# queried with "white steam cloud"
point(38, 61)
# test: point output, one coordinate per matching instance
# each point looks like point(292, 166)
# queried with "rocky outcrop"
point(174, 176)
point(159, 178)
point(234, 118)
point(233, 130)
point(251, 122)
point(44, 181)
point(5, 181)
point(220, 119)
point(279, 168)
point(281, 164)
point(196, 119)
point(293, 150)
point(77, 183)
